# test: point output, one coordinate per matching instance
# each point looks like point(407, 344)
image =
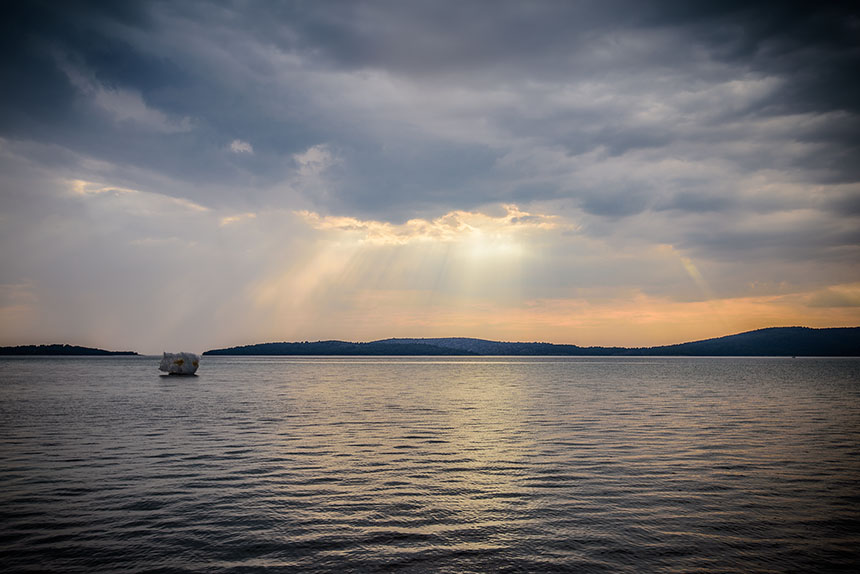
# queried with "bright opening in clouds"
point(611, 172)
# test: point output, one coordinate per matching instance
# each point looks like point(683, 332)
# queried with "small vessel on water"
point(179, 363)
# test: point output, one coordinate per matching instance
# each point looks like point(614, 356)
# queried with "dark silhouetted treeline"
point(771, 342)
point(338, 348)
point(58, 350)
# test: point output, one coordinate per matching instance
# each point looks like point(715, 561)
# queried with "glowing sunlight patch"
point(230, 219)
point(483, 232)
point(83, 188)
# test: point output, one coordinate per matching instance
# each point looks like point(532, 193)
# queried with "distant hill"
point(485, 347)
point(775, 341)
point(58, 350)
point(339, 348)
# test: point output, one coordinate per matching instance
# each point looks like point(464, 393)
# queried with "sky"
point(192, 175)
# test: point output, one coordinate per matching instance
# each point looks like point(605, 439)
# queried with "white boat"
point(179, 363)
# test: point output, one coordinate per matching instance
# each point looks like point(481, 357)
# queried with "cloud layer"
point(291, 169)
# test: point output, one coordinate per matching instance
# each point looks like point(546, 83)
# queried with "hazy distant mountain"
point(58, 350)
point(776, 341)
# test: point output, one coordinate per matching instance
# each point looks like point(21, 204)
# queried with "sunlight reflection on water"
point(412, 464)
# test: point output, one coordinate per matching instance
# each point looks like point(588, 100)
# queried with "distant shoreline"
point(60, 350)
point(769, 342)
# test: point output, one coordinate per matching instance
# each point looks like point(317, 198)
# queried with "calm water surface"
point(430, 465)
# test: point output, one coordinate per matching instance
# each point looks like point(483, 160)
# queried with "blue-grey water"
point(430, 465)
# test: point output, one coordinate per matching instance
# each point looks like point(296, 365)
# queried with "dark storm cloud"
point(35, 90)
point(439, 36)
point(814, 43)
point(697, 203)
point(428, 105)
point(163, 113)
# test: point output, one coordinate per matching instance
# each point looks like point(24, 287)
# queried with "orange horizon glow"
point(462, 274)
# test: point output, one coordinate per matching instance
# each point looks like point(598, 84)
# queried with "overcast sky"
point(189, 175)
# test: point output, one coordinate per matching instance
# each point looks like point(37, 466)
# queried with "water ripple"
point(436, 465)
